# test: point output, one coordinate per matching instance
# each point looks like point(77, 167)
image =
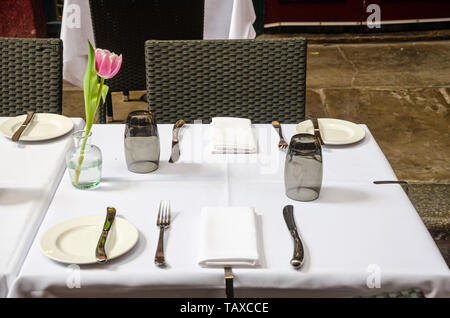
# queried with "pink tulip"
point(107, 64)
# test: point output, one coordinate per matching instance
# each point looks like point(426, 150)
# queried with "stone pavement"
point(400, 90)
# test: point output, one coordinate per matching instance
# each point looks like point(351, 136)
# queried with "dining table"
point(223, 19)
point(30, 173)
point(359, 238)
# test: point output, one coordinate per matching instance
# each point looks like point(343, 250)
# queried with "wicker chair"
point(30, 76)
point(263, 80)
point(124, 26)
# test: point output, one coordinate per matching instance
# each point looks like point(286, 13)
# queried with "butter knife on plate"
point(297, 259)
point(22, 127)
point(317, 133)
point(175, 155)
point(100, 251)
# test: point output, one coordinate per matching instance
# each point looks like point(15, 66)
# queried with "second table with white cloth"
point(29, 176)
point(354, 230)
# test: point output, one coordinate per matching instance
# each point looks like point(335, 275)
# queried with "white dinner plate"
point(334, 131)
point(42, 127)
point(74, 241)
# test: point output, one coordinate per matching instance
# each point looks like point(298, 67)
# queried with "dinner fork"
point(163, 221)
point(282, 144)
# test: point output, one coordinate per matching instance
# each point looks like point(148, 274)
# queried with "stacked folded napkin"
point(232, 135)
point(228, 237)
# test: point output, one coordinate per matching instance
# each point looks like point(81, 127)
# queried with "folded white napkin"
point(228, 237)
point(232, 135)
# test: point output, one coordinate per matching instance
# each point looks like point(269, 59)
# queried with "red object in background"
point(304, 11)
point(22, 19)
point(353, 12)
point(398, 10)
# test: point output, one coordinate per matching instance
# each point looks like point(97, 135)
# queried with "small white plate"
point(74, 241)
point(334, 131)
point(42, 127)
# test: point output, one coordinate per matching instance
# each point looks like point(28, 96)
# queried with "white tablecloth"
point(224, 19)
point(29, 176)
point(354, 230)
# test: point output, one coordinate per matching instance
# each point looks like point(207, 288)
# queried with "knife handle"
point(100, 252)
point(176, 128)
point(22, 127)
point(18, 133)
point(319, 137)
point(316, 128)
point(297, 259)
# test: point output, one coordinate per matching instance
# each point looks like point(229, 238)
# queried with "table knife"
point(315, 123)
point(175, 142)
point(100, 253)
point(288, 214)
point(19, 131)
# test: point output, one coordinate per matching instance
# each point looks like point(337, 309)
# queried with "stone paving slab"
point(326, 67)
point(378, 37)
point(432, 202)
point(416, 64)
point(410, 125)
point(421, 64)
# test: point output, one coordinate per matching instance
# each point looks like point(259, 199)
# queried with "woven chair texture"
point(263, 80)
point(30, 76)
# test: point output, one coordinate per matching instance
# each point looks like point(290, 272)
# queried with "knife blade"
point(175, 155)
point(22, 127)
point(315, 123)
point(100, 252)
point(288, 214)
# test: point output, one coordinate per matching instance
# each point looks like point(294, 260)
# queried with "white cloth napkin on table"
point(232, 135)
point(228, 237)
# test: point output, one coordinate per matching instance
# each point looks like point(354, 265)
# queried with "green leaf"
point(90, 89)
point(104, 91)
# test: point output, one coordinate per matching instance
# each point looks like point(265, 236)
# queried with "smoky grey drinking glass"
point(141, 142)
point(303, 168)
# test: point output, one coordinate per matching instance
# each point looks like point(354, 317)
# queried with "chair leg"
point(125, 96)
point(229, 288)
point(144, 97)
point(109, 108)
point(102, 113)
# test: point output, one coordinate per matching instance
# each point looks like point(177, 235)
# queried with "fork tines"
point(163, 214)
point(282, 144)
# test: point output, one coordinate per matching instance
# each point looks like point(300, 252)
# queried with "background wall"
point(22, 18)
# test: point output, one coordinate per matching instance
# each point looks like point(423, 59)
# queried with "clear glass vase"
point(84, 162)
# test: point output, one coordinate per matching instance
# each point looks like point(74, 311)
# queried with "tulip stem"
point(86, 134)
point(99, 95)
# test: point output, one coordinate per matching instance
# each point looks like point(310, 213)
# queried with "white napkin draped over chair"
point(232, 135)
point(228, 237)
